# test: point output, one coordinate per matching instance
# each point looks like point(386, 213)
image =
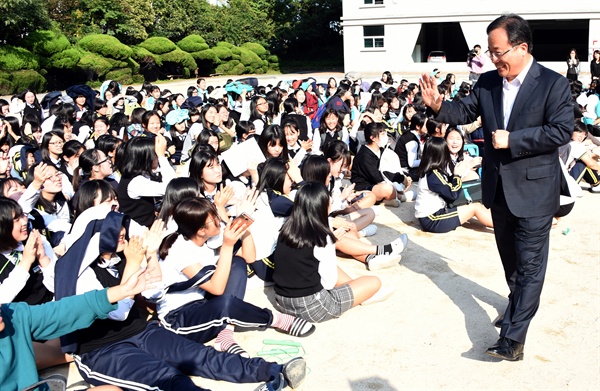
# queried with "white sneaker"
point(409, 195)
point(399, 244)
point(382, 294)
point(595, 189)
point(383, 261)
point(369, 230)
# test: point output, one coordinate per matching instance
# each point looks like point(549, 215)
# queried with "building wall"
point(403, 25)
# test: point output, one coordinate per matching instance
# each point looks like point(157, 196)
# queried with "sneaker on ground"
point(382, 294)
point(273, 385)
point(369, 230)
point(595, 189)
point(294, 372)
point(383, 261)
point(399, 244)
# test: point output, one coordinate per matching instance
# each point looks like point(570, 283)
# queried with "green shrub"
point(225, 44)
point(145, 56)
point(28, 78)
point(131, 63)
point(14, 59)
point(236, 57)
point(273, 59)
point(158, 45)
point(116, 63)
point(250, 60)
point(6, 86)
point(223, 53)
point(181, 57)
point(192, 43)
point(106, 45)
point(238, 69)
point(236, 51)
point(67, 59)
point(123, 76)
point(207, 54)
point(45, 43)
point(138, 79)
point(256, 48)
point(95, 63)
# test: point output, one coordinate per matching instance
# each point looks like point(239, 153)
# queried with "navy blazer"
point(541, 121)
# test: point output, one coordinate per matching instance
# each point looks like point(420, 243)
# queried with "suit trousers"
point(523, 244)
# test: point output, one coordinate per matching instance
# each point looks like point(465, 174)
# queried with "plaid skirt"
point(318, 307)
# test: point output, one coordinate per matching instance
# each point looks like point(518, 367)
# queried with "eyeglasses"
point(57, 143)
point(102, 161)
point(497, 55)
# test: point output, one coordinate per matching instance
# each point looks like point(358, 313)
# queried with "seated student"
point(339, 158)
point(366, 174)
point(142, 185)
point(126, 349)
point(204, 297)
point(440, 185)
point(316, 168)
point(308, 282)
point(436, 128)
point(410, 145)
point(21, 323)
point(456, 144)
point(272, 142)
point(292, 111)
point(297, 149)
point(331, 127)
point(582, 162)
point(244, 129)
point(52, 204)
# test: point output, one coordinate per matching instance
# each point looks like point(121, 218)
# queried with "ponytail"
point(166, 244)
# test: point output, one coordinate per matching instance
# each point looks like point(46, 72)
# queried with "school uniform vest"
point(326, 138)
point(141, 209)
point(296, 271)
point(301, 121)
point(34, 292)
point(401, 147)
point(106, 331)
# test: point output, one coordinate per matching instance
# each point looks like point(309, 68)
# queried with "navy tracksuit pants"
point(159, 359)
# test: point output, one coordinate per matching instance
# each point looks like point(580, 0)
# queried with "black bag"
point(470, 192)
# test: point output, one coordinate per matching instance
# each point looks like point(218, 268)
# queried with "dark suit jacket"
point(541, 121)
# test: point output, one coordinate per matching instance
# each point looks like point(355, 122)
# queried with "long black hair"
point(190, 215)
point(203, 155)
point(89, 191)
point(177, 190)
point(307, 225)
point(315, 168)
point(436, 156)
point(272, 175)
point(9, 211)
point(140, 154)
point(269, 137)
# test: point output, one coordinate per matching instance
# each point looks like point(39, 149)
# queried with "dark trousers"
point(159, 358)
point(202, 320)
point(580, 172)
point(523, 244)
point(237, 281)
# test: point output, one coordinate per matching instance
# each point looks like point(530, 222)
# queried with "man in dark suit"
point(526, 114)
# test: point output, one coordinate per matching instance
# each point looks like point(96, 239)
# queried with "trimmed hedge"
point(208, 55)
point(123, 76)
point(158, 45)
point(94, 63)
point(250, 60)
point(67, 59)
point(142, 55)
point(223, 53)
point(193, 43)
point(179, 57)
point(46, 43)
point(106, 45)
point(256, 48)
point(225, 44)
point(28, 78)
point(15, 58)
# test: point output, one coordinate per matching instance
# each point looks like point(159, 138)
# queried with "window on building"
point(373, 2)
point(373, 36)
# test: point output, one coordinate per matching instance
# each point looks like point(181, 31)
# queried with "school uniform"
point(188, 310)
point(437, 190)
point(409, 149)
point(365, 169)
point(125, 350)
point(305, 283)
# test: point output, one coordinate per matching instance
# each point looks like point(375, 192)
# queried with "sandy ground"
point(431, 334)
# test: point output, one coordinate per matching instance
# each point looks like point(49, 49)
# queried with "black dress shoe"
point(506, 349)
point(498, 321)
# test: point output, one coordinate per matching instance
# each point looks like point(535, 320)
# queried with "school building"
point(399, 35)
